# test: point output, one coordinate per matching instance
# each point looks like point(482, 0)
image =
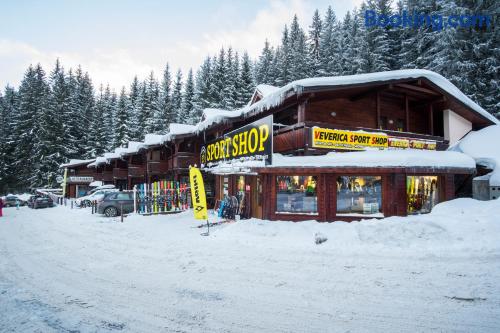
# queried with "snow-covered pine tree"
point(33, 106)
point(245, 79)
point(284, 59)
point(108, 117)
point(177, 98)
point(121, 124)
point(203, 82)
point(314, 41)
point(299, 68)
point(219, 77)
point(263, 70)
point(59, 142)
point(189, 114)
point(166, 116)
point(97, 141)
point(329, 49)
point(8, 121)
point(134, 110)
point(229, 81)
point(151, 106)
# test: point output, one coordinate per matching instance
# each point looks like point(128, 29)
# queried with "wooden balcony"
point(298, 137)
point(136, 171)
point(119, 173)
point(107, 176)
point(184, 160)
point(157, 167)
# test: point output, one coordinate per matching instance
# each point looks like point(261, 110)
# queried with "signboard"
point(339, 139)
point(198, 196)
point(358, 140)
point(250, 142)
point(80, 179)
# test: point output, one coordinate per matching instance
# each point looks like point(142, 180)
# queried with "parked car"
point(40, 201)
point(95, 196)
point(113, 203)
point(11, 201)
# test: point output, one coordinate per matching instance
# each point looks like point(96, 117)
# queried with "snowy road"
point(65, 270)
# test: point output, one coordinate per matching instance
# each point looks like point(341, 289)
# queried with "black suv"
point(114, 202)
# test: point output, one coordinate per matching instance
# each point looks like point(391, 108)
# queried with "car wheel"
point(111, 212)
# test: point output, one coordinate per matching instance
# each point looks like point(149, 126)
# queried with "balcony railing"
point(136, 171)
point(184, 160)
point(107, 176)
point(157, 167)
point(119, 173)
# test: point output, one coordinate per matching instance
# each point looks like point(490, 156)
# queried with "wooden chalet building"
point(339, 148)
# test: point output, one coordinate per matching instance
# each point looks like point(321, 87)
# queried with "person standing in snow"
point(1, 206)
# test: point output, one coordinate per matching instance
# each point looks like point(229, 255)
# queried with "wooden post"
point(407, 114)
point(431, 119)
point(378, 109)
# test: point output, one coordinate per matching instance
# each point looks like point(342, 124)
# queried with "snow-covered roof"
point(409, 158)
point(216, 116)
point(481, 145)
point(179, 129)
point(380, 158)
point(277, 96)
point(153, 139)
point(265, 89)
point(74, 162)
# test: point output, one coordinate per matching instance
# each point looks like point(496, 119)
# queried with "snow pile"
point(460, 226)
point(216, 116)
point(75, 162)
point(379, 158)
point(266, 89)
point(481, 145)
point(179, 129)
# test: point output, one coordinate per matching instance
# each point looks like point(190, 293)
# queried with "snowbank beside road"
point(459, 227)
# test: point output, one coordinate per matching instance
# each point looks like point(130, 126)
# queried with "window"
point(383, 122)
point(359, 195)
point(422, 193)
point(296, 194)
point(400, 125)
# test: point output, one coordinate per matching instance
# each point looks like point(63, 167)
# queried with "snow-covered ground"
point(64, 270)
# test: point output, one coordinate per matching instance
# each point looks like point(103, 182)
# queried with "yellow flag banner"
point(65, 179)
point(198, 194)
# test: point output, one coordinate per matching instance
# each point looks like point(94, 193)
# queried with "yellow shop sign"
point(350, 140)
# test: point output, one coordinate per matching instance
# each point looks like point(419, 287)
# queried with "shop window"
point(296, 194)
point(359, 195)
point(422, 193)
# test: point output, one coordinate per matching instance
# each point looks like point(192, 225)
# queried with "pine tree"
point(263, 69)
point(284, 60)
point(166, 115)
point(299, 60)
point(108, 117)
point(121, 124)
point(177, 98)
point(246, 83)
point(8, 122)
point(203, 86)
point(151, 105)
point(189, 114)
point(33, 108)
point(314, 42)
point(97, 141)
point(134, 126)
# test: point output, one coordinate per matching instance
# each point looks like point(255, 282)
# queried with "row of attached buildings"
point(333, 148)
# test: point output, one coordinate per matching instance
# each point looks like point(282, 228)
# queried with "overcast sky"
point(116, 39)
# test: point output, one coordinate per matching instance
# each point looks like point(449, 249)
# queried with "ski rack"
point(161, 197)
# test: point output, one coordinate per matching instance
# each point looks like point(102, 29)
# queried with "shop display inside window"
point(422, 192)
point(359, 195)
point(296, 194)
